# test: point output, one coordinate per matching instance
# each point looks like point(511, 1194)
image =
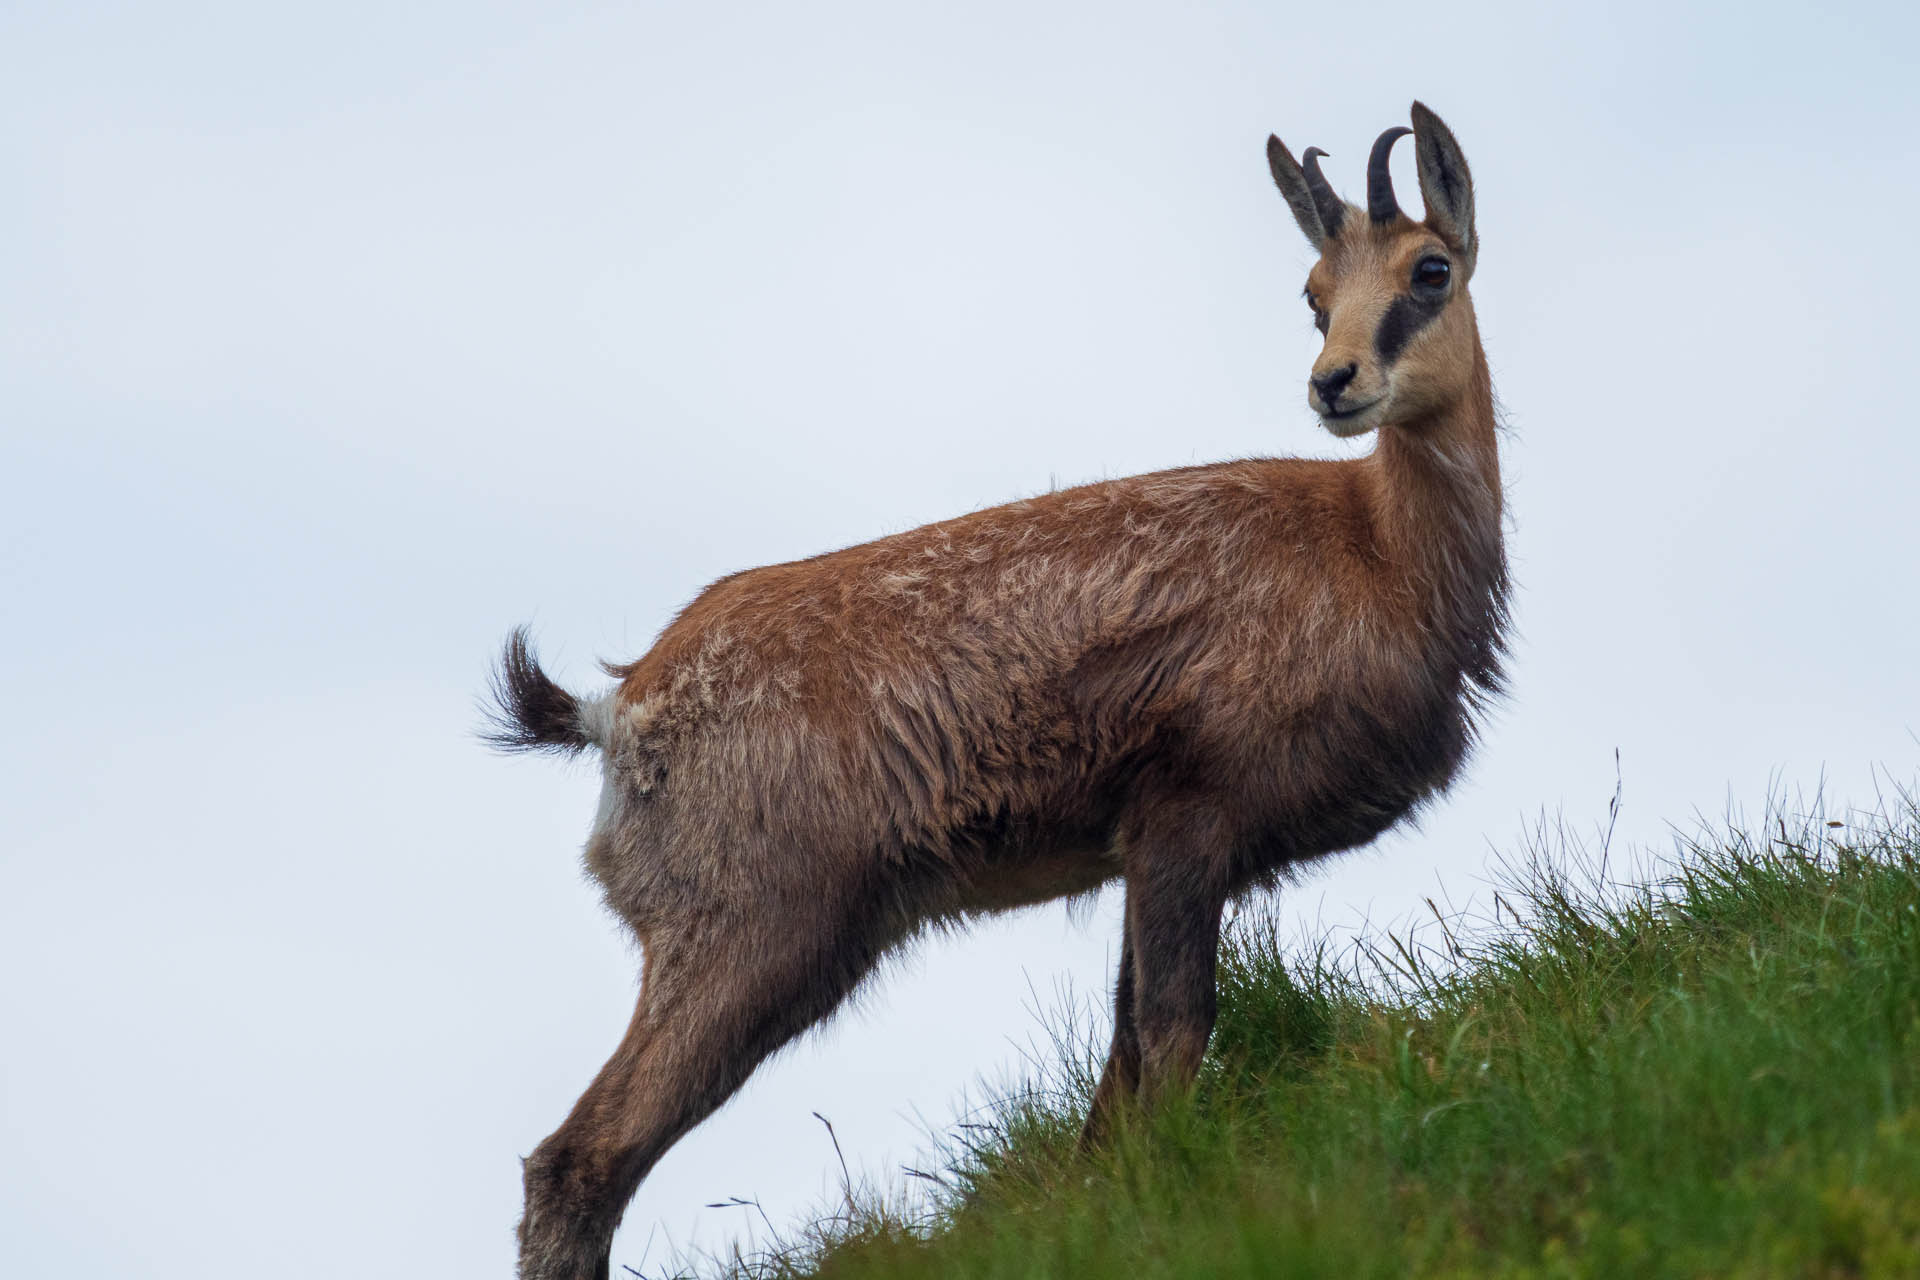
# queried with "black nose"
point(1330, 385)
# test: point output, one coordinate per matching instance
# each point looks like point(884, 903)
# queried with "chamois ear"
point(1315, 207)
point(1445, 184)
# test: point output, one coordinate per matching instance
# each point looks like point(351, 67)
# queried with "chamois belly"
point(1036, 877)
point(1061, 849)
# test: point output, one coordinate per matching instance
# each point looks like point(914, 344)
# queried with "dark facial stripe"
point(1406, 316)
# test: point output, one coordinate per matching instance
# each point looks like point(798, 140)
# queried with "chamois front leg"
point(1121, 1078)
point(1177, 884)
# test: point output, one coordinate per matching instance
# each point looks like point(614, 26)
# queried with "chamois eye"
point(1432, 272)
point(1319, 316)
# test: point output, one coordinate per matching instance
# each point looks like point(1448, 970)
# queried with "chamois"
point(1189, 681)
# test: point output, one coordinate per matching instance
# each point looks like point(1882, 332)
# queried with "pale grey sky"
point(336, 339)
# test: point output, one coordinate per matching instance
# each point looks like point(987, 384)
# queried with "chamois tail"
point(527, 711)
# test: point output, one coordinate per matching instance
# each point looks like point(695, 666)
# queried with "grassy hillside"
point(1715, 1073)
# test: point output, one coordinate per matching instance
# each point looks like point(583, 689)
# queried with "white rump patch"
point(609, 800)
point(596, 720)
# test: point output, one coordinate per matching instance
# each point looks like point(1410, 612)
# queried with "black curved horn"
point(1332, 209)
point(1381, 206)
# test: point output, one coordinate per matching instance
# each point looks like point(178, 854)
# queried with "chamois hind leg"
point(713, 1004)
point(1177, 883)
point(1121, 1078)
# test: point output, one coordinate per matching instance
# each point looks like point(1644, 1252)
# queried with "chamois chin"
point(1189, 681)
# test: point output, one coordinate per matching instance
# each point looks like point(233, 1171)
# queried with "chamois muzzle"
point(1330, 385)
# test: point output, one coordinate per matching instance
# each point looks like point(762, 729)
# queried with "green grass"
point(1713, 1073)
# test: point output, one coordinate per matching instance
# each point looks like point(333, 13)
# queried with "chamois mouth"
point(1347, 422)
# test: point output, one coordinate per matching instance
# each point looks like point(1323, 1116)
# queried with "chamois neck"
point(1437, 482)
point(1437, 516)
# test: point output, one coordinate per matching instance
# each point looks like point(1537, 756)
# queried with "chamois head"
point(1389, 293)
